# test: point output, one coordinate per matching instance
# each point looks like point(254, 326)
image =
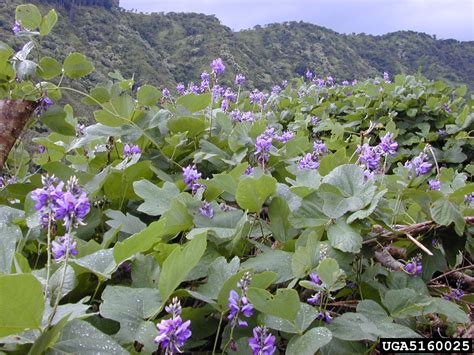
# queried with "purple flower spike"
point(191, 175)
point(166, 93)
point(262, 342)
point(60, 246)
point(131, 149)
point(218, 66)
point(239, 304)
point(308, 162)
point(173, 332)
point(250, 170)
point(386, 77)
point(16, 27)
point(315, 279)
point(206, 210)
point(315, 299)
point(325, 316)
point(240, 79)
point(388, 145)
point(44, 104)
point(309, 75)
point(435, 184)
point(286, 136)
point(369, 156)
point(414, 267)
point(469, 198)
point(419, 164)
point(181, 89)
point(455, 295)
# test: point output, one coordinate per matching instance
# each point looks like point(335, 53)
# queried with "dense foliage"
point(316, 216)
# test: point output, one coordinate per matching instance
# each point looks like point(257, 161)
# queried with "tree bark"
point(13, 117)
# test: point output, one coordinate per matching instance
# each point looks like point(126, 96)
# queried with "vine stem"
point(452, 272)
point(217, 334)
point(63, 279)
point(48, 248)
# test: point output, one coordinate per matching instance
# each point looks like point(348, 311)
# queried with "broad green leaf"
point(101, 263)
point(253, 192)
point(344, 237)
point(49, 68)
point(405, 303)
point(219, 272)
point(193, 102)
point(445, 212)
point(330, 274)
point(306, 315)
point(193, 125)
point(48, 338)
point(310, 213)
point(48, 22)
point(79, 337)
point(145, 272)
point(126, 223)
point(452, 311)
point(148, 95)
point(284, 304)
point(55, 119)
point(21, 303)
point(279, 213)
point(310, 342)
point(10, 234)
point(278, 261)
point(28, 16)
point(130, 307)
point(157, 200)
point(179, 263)
point(77, 66)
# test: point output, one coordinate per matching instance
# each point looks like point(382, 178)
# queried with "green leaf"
point(310, 342)
point(344, 237)
point(10, 234)
point(253, 192)
point(219, 272)
point(452, 311)
point(130, 307)
point(310, 213)
point(79, 337)
point(278, 261)
point(157, 200)
point(329, 272)
point(192, 125)
point(148, 95)
point(193, 102)
point(445, 212)
point(48, 338)
point(306, 315)
point(55, 119)
point(179, 263)
point(49, 68)
point(48, 22)
point(279, 213)
point(77, 66)
point(101, 263)
point(21, 303)
point(140, 242)
point(405, 303)
point(145, 272)
point(28, 16)
point(284, 304)
point(126, 223)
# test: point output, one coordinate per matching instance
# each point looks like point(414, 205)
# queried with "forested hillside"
point(164, 49)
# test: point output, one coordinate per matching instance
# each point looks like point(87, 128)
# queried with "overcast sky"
point(444, 18)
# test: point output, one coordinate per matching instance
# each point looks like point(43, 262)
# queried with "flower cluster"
point(71, 205)
point(217, 66)
point(469, 198)
point(434, 184)
point(455, 294)
point(263, 144)
point(130, 149)
point(414, 267)
point(370, 156)
point(61, 245)
point(262, 342)
point(240, 79)
point(206, 210)
point(324, 316)
point(190, 177)
point(238, 116)
point(173, 332)
point(311, 160)
point(239, 304)
point(16, 28)
point(285, 136)
point(43, 104)
point(420, 164)
point(4, 181)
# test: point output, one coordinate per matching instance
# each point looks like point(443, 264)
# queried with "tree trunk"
point(13, 117)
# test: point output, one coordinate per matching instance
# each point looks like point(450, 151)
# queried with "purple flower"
point(80, 129)
point(319, 148)
point(236, 115)
point(72, 206)
point(131, 149)
point(250, 170)
point(325, 316)
point(257, 97)
point(419, 164)
point(204, 86)
point(191, 175)
point(60, 246)
point(435, 184)
point(320, 82)
point(309, 75)
point(239, 304)
point(345, 83)
point(262, 342)
point(225, 104)
point(181, 89)
point(217, 66)
point(276, 89)
point(230, 95)
point(166, 93)
point(173, 332)
point(16, 27)
point(315, 279)
point(206, 210)
point(315, 120)
point(455, 295)
point(308, 162)
point(247, 117)
point(285, 136)
point(414, 267)
point(446, 107)
point(329, 80)
point(205, 76)
point(441, 132)
point(315, 299)
point(388, 145)
point(193, 88)
point(41, 149)
point(469, 198)
point(284, 83)
point(263, 144)
point(240, 80)
point(386, 77)
point(217, 91)
point(369, 156)
point(44, 104)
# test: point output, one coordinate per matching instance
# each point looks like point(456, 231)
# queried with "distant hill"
point(164, 49)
